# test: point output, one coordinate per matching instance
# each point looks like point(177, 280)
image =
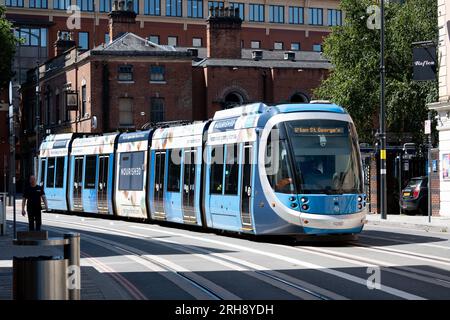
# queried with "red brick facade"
point(192, 89)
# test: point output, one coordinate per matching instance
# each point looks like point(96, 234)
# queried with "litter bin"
point(48, 277)
point(40, 278)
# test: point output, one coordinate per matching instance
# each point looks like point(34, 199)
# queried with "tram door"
point(102, 191)
point(160, 165)
point(42, 173)
point(246, 192)
point(77, 184)
point(189, 214)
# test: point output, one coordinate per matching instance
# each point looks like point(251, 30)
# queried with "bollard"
point(72, 253)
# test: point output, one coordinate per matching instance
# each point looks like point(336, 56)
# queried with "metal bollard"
point(72, 253)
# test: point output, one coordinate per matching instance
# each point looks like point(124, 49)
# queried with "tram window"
point(51, 172)
point(42, 176)
point(174, 171)
point(59, 180)
point(278, 169)
point(231, 170)
point(216, 177)
point(89, 173)
point(131, 174)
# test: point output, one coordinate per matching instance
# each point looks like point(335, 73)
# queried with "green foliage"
point(354, 82)
point(8, 46)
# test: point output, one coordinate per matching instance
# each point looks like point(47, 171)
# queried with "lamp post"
point(12, 146)
point(382, 132)
point(39, 46)
point(38, 117)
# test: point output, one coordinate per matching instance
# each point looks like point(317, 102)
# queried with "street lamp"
point(39, 46)
point(382, 132)
point(38, 117)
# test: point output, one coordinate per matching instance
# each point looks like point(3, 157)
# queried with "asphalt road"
point(141, 261)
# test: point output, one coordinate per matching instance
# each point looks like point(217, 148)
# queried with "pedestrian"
point(32, 199)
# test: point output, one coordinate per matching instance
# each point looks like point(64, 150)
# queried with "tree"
point(8, 46)
point(354, 82)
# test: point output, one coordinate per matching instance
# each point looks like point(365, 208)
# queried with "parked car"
point(414, 198)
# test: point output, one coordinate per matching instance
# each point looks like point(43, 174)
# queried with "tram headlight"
point(305, 207)
point(304, 200)
point(360, 199)
point(360, 206)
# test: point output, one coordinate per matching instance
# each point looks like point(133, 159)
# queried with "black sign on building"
point(424, 62)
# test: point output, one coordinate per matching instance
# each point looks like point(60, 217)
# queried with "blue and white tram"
point(131, 175)
point(174, 192)
point(317, 184)
point(53, 164)
point(91, 174)
point(281, 170)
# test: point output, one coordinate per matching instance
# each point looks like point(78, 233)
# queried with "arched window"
point(299, 98)
point(233, 99)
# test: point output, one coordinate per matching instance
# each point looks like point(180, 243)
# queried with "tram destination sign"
point(320, 130)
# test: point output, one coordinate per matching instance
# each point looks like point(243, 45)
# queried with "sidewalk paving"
point(437, 224)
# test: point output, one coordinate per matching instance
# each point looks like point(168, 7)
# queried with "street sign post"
point(13, 153)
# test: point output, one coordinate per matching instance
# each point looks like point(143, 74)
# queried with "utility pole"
point(429, 169)
point(38, 117)
point(12, 146)
point(382, 132)
point(38, 109)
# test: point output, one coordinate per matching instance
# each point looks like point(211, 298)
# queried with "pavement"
point(437, 224)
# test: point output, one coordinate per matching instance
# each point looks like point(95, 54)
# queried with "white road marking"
point(405, 242)
point(142, 260)
point(368, 262)
point(308, 265)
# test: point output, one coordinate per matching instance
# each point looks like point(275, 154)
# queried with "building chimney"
point(64, 42)
point(122, 18)
point(223, 33)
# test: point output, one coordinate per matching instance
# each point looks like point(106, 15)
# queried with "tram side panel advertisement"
point(131, 173)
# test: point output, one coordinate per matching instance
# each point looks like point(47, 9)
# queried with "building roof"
point(262, 63)
point(131, 44)
point(271, 59)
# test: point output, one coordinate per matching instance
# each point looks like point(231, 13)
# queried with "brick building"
point(131, 81)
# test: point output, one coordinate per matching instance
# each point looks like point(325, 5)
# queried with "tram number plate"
point(338, 223)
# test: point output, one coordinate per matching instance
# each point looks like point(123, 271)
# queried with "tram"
point(291, 169)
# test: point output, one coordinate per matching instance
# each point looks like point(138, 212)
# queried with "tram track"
point(409, 272)
point(329, 294)
point(315, 292)
point(293, 286)
point(166, 269)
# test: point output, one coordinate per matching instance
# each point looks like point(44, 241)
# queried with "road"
point(140, 261)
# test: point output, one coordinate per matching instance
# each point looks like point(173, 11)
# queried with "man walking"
point(32, 199)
